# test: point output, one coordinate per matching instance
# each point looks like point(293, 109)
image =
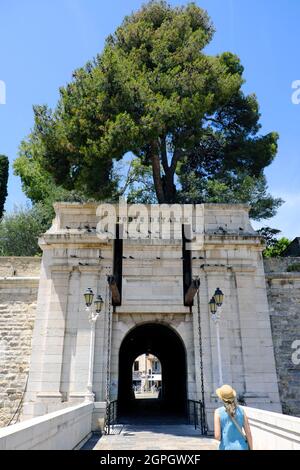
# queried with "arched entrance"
point(162, 342)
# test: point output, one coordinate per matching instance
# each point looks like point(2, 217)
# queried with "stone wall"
point(226, 253)
point(283, 289)
point(280, 265)
point(61, 430)
point(18, 294)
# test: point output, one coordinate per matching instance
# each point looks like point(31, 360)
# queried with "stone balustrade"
point(69, 428)
point(273, 431)
point(61, 430)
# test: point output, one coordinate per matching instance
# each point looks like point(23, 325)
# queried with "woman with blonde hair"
point(229, 422)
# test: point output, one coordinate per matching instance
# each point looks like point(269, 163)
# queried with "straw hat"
point(226, 392)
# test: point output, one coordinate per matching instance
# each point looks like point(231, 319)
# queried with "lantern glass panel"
point(212, 306)
point(88, 297)
point(218, 296)
point(98, 303)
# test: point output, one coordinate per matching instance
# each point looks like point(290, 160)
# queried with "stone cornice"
point(153, 308)
point(237, 238)
point(215, 241)
point(211, 268)
point(64, 268)
point(72, 240)
point(94, 205)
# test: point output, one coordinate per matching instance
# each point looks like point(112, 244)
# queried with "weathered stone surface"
point(19, 266)
point(226, 254)
point(284, 299)
point(18, 294)
point(152, 292)
point(279, 265)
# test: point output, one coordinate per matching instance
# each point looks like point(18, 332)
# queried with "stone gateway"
point(153, 309)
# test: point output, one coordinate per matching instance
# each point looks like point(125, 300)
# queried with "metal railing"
point(196, 415)
point(112, 416)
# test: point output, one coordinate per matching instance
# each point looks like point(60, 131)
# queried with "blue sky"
point(42, 42)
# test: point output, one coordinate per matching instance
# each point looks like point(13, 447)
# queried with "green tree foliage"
point(269, 235)
point(277, 249)
point(138, 186)
point(154, 92)
point(19, 231)
point(4, 168)
point(38, 184)
point(274, 246)
point(232, 188)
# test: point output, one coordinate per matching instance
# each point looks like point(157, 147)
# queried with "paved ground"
point(152, 437)
point(143, 395)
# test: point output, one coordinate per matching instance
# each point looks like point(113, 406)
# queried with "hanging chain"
point(109, 326)
point(203, 417)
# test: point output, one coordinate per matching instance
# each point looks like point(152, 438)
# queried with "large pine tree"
point(156, 93)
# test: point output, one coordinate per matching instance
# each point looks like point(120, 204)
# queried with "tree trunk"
point(169, 187)
point(164, 185)
point(155, 160)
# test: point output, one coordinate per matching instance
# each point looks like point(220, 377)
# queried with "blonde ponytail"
point(230, 406)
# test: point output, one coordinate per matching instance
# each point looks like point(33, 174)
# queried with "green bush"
point(277, 248)
point(19, 230)
point(293, 267)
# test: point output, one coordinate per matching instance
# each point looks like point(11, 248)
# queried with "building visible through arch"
point(146, 376)
point(161, 341)
point(153, 297)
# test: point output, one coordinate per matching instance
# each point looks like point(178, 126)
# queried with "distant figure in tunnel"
point(229, 422)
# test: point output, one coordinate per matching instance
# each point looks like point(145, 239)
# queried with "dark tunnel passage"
point(166, 345)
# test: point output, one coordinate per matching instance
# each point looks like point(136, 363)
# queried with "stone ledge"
point(19, 281)
point(59, 430)
point(283, 275)
point(223, 268)
point(63, 268)
point(152, 308)
point(273, 431)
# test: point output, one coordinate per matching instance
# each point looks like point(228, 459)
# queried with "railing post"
point(196, 408)
point(111, 413)
point(187, 411)
point(108, 424)
point(202, 417)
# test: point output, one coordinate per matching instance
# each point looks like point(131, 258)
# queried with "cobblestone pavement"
point(152, 437)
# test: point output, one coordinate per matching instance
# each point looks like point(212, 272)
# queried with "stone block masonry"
point(19, 280)
point(283, 290)
point(226, 253)
point(18, 294)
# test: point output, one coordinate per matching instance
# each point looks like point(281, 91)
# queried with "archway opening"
point(147, 377)
point(161, 342)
